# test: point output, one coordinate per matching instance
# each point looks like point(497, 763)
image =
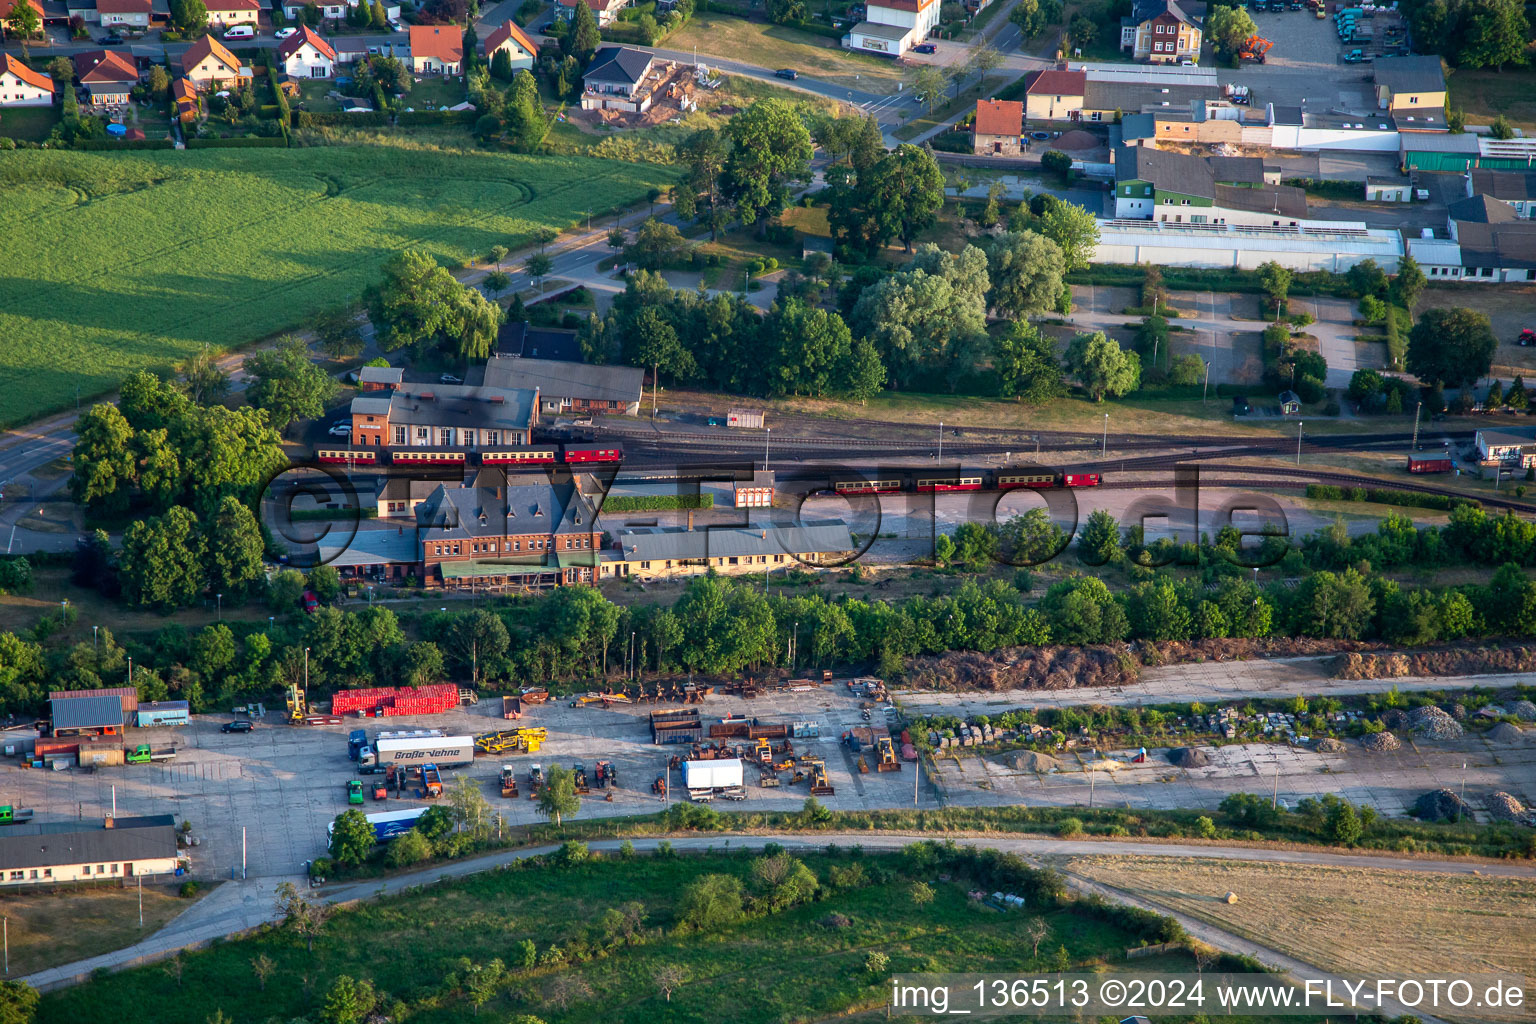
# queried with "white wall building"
point(73, 851)
point(893, 27)
point(1334, 248)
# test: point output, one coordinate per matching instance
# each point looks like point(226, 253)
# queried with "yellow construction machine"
point(298, 704)
point(527, 740)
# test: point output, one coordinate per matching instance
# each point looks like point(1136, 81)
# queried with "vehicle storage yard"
point(284, 784)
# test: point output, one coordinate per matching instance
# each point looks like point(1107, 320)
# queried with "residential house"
point(135, 15)
point(1498, 250)
point(453, 416)
point(620, 78)
point(437, 49)
point(520, 49)
point(1163, 31)
point(208, 64)
point(605, 11)
point(1516, 189)
point(330, 10)
point(1053, 95)
point(8, 6)
point(565, 388)
point(892, 27)
point(224, 14)
point(998, 128)
point(107, 76)
point(20, 86)
point(1106, 99)
point(380, 378)
point(1413, 90)
point(72, 851)
point(184, 93)
point(305, 55)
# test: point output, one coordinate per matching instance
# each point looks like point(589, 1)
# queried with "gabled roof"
point(7, 6)
point(999, 117)
point(1055, 83)
point(86, 713)
point(509, 30)
point(207, 47)
point(527, 504)
point(99, 67)
point(125, 6)
point(675, 542)
point(443, 42)
point(1132, 96)
point(152, 837)
point(1279, 200)
point(1509, 245)
point(1510, 186)
point(558, 379)
point(618, 64)
point(1173, 172)
point(1187, 11)
point(1480, 209)
point(35, 79)
point(453, 405)
point(232, 5)
point(1237, 170)
point(1409, 74)
point(381, 375)
point(305, 34)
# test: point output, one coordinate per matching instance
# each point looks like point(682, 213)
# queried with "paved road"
point(236, 907)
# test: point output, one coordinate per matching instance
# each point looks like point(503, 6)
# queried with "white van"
point(241, 32)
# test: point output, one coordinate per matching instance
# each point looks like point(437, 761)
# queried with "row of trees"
point(1472, 33)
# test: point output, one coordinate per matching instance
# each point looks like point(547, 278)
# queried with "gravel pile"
point(1188, 757)
point(1379, 741)
point(1505, 733)
point(1505, 807)
point(1524, 710)
point(1457, 711)
point(1033, 761)
point(1434, 723)
point(1329, 745)
point(1394, 718)
point(1441, 805)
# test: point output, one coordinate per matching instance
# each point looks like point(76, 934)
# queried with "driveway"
point(1335, 332)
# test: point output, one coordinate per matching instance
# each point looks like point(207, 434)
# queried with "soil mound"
point(1032, 761)
point(1074, 140)
point(1505, 807)
point(1329, 745)
point(1523, 710)
point(1434, 723)
point(1188, 757)
point(1441, 805)
point(1505, 733)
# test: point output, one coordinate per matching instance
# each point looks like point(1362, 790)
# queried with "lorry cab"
point(357, 741)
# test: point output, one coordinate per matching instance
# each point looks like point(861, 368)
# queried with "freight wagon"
point(1440, 463)
point(969, 480)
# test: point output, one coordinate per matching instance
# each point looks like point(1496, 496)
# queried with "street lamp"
point(1298, 442)
point(93, 639)
point(220, 599)
point(941, 440)
point(1104, 448)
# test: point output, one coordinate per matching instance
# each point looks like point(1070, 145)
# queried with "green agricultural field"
point(803, 963)
point(133, 261)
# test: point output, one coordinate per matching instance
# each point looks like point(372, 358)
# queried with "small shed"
point(126, 695)
point(751, 419)
point(87, 716)
point(1388, 190)
point(163, 712)
point(1290, 403)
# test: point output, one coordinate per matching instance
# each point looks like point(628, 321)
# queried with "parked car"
point(355, 792)
point(1240, 406)
point(340, 430)
point(449, 378)
point(284, 33)
point(1528, 336)
point(241, 32)
point(789, 73)
point(112, 39)
point(239, 725)
point(925, 48)
point(395, 26)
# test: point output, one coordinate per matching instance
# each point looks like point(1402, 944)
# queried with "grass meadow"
point(787, 966)
point(125, 262)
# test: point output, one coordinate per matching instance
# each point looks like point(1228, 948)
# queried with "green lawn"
point(775, 46)
point(793, 965)
point(1483, 95)
point(138, 259)
point(27, 124)
point(431, 93)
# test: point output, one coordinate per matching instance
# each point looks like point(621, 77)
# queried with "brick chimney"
point(108, 822)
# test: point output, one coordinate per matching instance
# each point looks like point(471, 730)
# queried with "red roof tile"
point(444, 42)
point(205, 47)
point(999, 117)
point(99, 67)
point(1057, 83)
point(509, 30)
point(305, 34)
point(26, 74)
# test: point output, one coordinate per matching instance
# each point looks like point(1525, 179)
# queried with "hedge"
point(1389, 496)
point(368, 119)
point(245, 142)
point(658, 502)
point(311, 515)
point(407, 118)
point(122, 144)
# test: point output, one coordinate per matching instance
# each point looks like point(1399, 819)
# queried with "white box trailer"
point(712, 774)
point(443, 751)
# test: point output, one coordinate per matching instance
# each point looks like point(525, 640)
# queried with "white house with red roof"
point(131, 14)
point(20, 86)
point(892, 27)
point(305, 55)
point(224, 14)
point(437, 49)
point(519, 48)
point(9, 6)
point(208, 63)
point(108, 76)
point(605, 11)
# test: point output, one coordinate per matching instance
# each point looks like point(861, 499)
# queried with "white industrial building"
point(1335, 248)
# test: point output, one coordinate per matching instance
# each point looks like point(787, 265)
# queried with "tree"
point(526, 126)
point(1186, 371)
point(1057, 163)
point(806, 348)
point(1025, 363)
point(350, 1001)
point(1408, 282)
point(583, 38)
point(1036, 932)
point(25, 23)
point(704, 154)
point(501, 65)
point(712, 902)
point(1453, 347)
point(920, 893)
point(770, 147)
point(1276, 282)
point(1495, 33)
point(558, 799)
point(865, 373)
point(1500, 128)
point(405, 850)
point(351, 838)
point(1026, 270)
point(234, 546)
point(1344, 824)
point(189, 17)
point(929, 319)
point(1099, 542)
point(669, 977)
point(1082, 30)
point(262, 967)
point(1102, 367)
point(287, 384)
point(1227, 28)
point(929, 85)
point(338, 332)
point(204, 381)
point(657, 244)
point(1035, 16)
point(104, 467)
point(306, 918)
point(1366, 278)
point(877, 963)
point(1081, 610)
point(983, 60)
point(18, 1002)
point(1074, 231)
point(497, 281)
point(537, 267)
point(414, 304)
point(162, 560)
point(902, 193)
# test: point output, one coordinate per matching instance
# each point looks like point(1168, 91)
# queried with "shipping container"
point(751, 419)
point(712, 774)
point(163, 712)
point(1437, 463)
point(100, 756)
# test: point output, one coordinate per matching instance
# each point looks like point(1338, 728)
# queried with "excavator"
point(508, 781)
point(1254, 48)
point(298, 704)
point(888, 762)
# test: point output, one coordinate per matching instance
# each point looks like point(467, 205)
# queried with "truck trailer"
point(387, 825)
point(443, 751)
point(712, 774)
